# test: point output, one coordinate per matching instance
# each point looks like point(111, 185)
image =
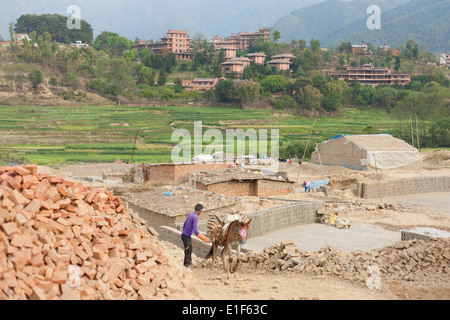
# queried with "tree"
point(53, 81)
point(315, 45)
point(397, 64)
point(35, 77)
point(310, 98)
point(332, 101)
point(246, 92)
point(56, 26)
point(276, 35)
point(146, 76)
point(112, 43)
point(162, 79)
point(302, 44)
point(273, 83)
point(224, 91)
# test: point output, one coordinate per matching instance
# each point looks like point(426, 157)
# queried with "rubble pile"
point(62, 240)
point(411, 260)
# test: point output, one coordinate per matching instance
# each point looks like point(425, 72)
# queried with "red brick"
point(34, 206)
point(13, 183)
point(59, 277)
point(21, 170)
point(32, 168)
point(29, 194)
point(54, 179)
point(3, 176)
point(28, 181)
point(62, 189)
point(80, 252)
point(53, 194)
point(18, 198)
point(9, 228)
point(90, 197)
point(18, 240)
point(39, 294)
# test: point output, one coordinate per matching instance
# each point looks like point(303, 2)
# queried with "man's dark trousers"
point(187, 242)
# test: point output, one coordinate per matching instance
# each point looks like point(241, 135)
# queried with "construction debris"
point(333, 219)
point(414, 260)
point(62, 240)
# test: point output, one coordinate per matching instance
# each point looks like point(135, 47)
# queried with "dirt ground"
point(395, 214)
point(425, 210)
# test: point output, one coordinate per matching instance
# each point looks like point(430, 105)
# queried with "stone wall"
point(283, 216)
point(263, 221)
point(404, 186)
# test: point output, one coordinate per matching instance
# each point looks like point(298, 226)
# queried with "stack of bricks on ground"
point(48, 224)
point(413, 260)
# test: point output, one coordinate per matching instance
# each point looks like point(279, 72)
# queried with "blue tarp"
point(341, 135)
point(316, 184)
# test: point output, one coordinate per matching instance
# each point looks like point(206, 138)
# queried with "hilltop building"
point(386, 49)
point(368, 74)
point(229, 52)
point(444, 59)
point(20, 36)
point(175, 41)
point(362, 48)
point(258, 58)
point(200, 84)
point(242, 40)
point(281, 61)
point(233, 68)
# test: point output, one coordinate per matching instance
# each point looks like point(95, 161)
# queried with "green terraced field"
point(56, 135)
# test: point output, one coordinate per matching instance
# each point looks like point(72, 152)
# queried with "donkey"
point(236, 231)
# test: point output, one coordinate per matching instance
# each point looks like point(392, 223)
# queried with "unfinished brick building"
point(173, 173)
point(235, 182)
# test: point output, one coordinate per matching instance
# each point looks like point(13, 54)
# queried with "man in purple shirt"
point(190, 227)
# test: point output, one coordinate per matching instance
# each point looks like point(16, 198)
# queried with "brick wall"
point(267, 188)
point(231, 188)
point(403, 187)
point(258, 188)
point(178, 173)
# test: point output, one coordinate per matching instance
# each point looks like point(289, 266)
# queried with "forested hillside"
point(323, 19)
point(426, 21)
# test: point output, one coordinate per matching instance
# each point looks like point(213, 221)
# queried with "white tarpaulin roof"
point(381, 151)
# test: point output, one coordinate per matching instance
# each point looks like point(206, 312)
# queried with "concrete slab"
point(315, 236)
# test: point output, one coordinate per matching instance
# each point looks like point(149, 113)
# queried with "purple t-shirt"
point(190, 225)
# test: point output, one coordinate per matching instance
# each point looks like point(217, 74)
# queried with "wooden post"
point(134, 146)
point(378, 178)
point(417, 129)
point(306, 147)
point(323, 173)
point(412, 133)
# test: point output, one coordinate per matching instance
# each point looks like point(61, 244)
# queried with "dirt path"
point(259, 285)
point(264, 285)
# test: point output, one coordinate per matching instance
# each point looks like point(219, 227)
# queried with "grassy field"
point(56, 135)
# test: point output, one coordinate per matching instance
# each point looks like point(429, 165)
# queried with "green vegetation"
point(333, 21)
point(110, 68)
point(55, 135)
point(56, 26)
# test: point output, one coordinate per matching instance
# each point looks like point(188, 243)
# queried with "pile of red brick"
point(62, 240)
